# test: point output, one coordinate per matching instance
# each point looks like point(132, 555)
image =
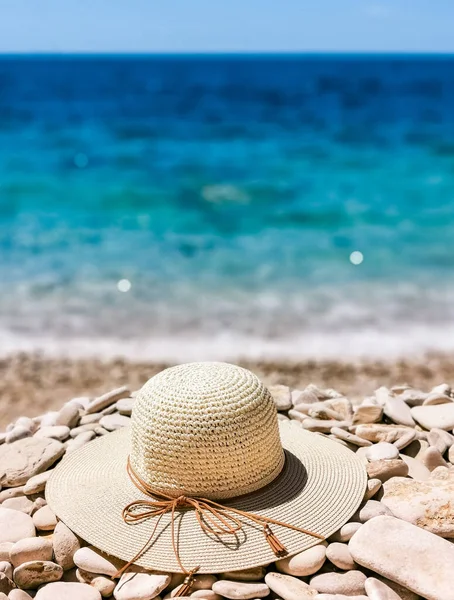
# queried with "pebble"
point(104, 585)
point(288, 587)
point(56, 432)
point(45, 519)
point(432, 459)
point(420, 561)
point(200, 582)
point(377, 590)
point(31, 549)
point(321, 411)
point(304, 397)
point(65, 544)
point(68, 416)
point(115, 421)
point(6, 568)
point(240, 590)
point(350, 437)
point(346, 532)
point(93, 418)
point(18, 433)
point(416, 470)
point(385, 469)
point(68, 591)
point(367, 414)
point(206, 594)
point(6, 584)
point(324, 426)
point(37, 483)
point(340, 556)
point(381, 433)
point(106, 400)
point(124, 406)
point(398, 411)
point(440, 439)
point(30, 575)
point(15, 525)
point(23, 459)
point(435, 398)
point(79, 441)
point(440, 416)
point(372, 509)
point(94, 561)
point(18, 594)
point(350, 583)
point(304, 563)
point(253, 574)
point(427, 504)
point(339, 597)
point(5, 549)
point(281, 396)
point(405, 439)
point(382, 451)
point(83, 429)
point(136, 585)
point(21, 503)
point(373, 485)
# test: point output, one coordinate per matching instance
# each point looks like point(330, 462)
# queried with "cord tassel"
point(279, 549)
point(186, 586)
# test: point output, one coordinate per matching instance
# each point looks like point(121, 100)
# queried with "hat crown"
point(205, 429)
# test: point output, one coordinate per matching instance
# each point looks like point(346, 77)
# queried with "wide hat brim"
point(320, 487)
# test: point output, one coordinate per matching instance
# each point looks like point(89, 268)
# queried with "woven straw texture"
point(186, 422)
point(319, 487)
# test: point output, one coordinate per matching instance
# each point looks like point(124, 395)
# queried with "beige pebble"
point(373, 485)
point(339, 597)
point(5, 549)
point(18, 594)
point(398, 411)
point(253, 574)
point(420, 561)
point(15, 525)
point(104, 585)
point(124, 406)
point(376, 432)
point(68, 416)
point(11, 493)
point(340, 556)
point(322, 426)
point(94, 561)
point(137, 585)
point(288, 587)
point(440, 416)
point(377, 590)
point(372, 509)
point(18, 433)
point(79, 441)
point(56, 432)
point(433, 459)
point(101, 402)
point(31, 549)
point(206, 594)
point(114, 422)
point(404, 440)
point(350, 437)
point(382, 451)
point(21, 503)
point(304, 563)
point(7, 568)
point(346, 532)
point(416, 470)
point(441, 440)
point(68, 591)
point(435, 398)
point(28, 457)
point(385, 469)
point(403, 593)
point(31, 575)
point(368, 414)
point(44, 519)
point(83, 429)
point(93, 418)
point(240, 590)
point(65, 544)
point(350, 583)
point(281, 396)
point(37, 483)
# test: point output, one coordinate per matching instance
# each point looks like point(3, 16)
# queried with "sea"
point(186, 207)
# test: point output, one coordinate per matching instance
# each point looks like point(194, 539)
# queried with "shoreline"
point(31, 383)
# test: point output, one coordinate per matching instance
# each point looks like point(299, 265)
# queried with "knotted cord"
point(214, 519)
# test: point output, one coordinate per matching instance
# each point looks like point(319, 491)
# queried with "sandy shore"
point(32, 384)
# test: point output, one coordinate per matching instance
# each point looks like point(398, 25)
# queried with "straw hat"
point(207, 463)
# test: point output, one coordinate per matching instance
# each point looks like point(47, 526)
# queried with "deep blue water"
point(230, 191)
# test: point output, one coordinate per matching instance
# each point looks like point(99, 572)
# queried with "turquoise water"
point(230, 192)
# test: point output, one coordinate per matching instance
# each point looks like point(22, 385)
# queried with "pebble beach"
point(398, 544)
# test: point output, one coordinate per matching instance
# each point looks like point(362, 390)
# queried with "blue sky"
point(226, 25)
